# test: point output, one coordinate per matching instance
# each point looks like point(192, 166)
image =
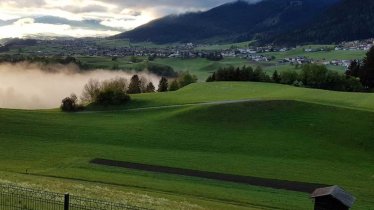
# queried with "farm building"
point(332, 198)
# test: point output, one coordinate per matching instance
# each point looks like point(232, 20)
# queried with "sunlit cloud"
point(28, 27)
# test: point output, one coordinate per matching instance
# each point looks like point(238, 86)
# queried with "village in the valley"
point(254, 54)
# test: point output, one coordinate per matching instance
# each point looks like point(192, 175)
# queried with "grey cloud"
point(26, 3)
point(171, 6)
point(135, 13)
point(171, 3)
point(86, 9)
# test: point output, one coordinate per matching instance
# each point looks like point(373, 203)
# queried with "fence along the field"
point(20, 198)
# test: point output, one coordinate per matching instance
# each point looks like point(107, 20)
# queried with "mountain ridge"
point(235, 21)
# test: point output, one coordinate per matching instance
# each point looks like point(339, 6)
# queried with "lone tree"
point(163, 86)
point(150, 88)
point(70, 104)
point(135, 86)
point(91, 91)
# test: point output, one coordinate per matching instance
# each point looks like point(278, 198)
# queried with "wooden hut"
point(332, 198)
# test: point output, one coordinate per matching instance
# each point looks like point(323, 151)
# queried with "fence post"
point(66, 201)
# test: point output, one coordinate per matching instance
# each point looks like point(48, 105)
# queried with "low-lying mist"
point(32, 86)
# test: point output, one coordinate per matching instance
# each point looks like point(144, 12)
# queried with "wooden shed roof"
point(337, 193)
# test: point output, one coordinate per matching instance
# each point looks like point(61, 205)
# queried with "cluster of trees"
point(43, 60)
point(161, 70)
point(108, 92)
point(183, 79)
point(364, 70)
point(311, 75)
point(318, 76)
point(117, 91)
point(239, 74)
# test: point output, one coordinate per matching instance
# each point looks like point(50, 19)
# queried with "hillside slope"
point(284, 140)
point(235, 21)
point(228, 91)
point(348, 20)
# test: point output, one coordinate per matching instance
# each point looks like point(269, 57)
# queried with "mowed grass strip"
point(285, 140)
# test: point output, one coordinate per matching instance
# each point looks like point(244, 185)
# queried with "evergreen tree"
point(163, 85)
point(135, 86)
point(353, 69)
point(276, 78)
point(150, 88)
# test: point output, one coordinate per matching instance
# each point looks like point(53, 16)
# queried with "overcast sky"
point(88, 17)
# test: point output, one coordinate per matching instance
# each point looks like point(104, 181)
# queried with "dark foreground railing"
point(20, 198)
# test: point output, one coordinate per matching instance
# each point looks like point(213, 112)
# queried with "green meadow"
point(280, 132)
point(201, 67)
point(319, 55)
point(225, 46)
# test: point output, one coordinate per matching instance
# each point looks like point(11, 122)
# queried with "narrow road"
point(175, 106)
point(250, 180)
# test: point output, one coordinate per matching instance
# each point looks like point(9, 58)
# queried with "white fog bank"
point(27, 86)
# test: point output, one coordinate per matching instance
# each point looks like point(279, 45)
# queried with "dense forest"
point(348, 20)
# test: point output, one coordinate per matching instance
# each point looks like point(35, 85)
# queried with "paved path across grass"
point(256, 181)
point(176, 106)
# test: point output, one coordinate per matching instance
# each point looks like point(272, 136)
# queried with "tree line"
point(43, 60)
point(358, 78)
point(246, 73)
point(311, 76)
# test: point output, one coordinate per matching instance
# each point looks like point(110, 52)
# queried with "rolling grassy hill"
point(222, 91)
point(280, 139)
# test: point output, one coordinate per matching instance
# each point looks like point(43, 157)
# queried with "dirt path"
point(256, 181)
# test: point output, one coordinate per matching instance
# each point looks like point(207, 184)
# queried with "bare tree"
point(91, 91)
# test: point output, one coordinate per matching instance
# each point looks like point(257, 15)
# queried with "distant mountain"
point(237, 21)
point(348, 20)
point(87, 24)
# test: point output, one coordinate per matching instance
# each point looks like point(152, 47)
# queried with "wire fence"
point(20, 198)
